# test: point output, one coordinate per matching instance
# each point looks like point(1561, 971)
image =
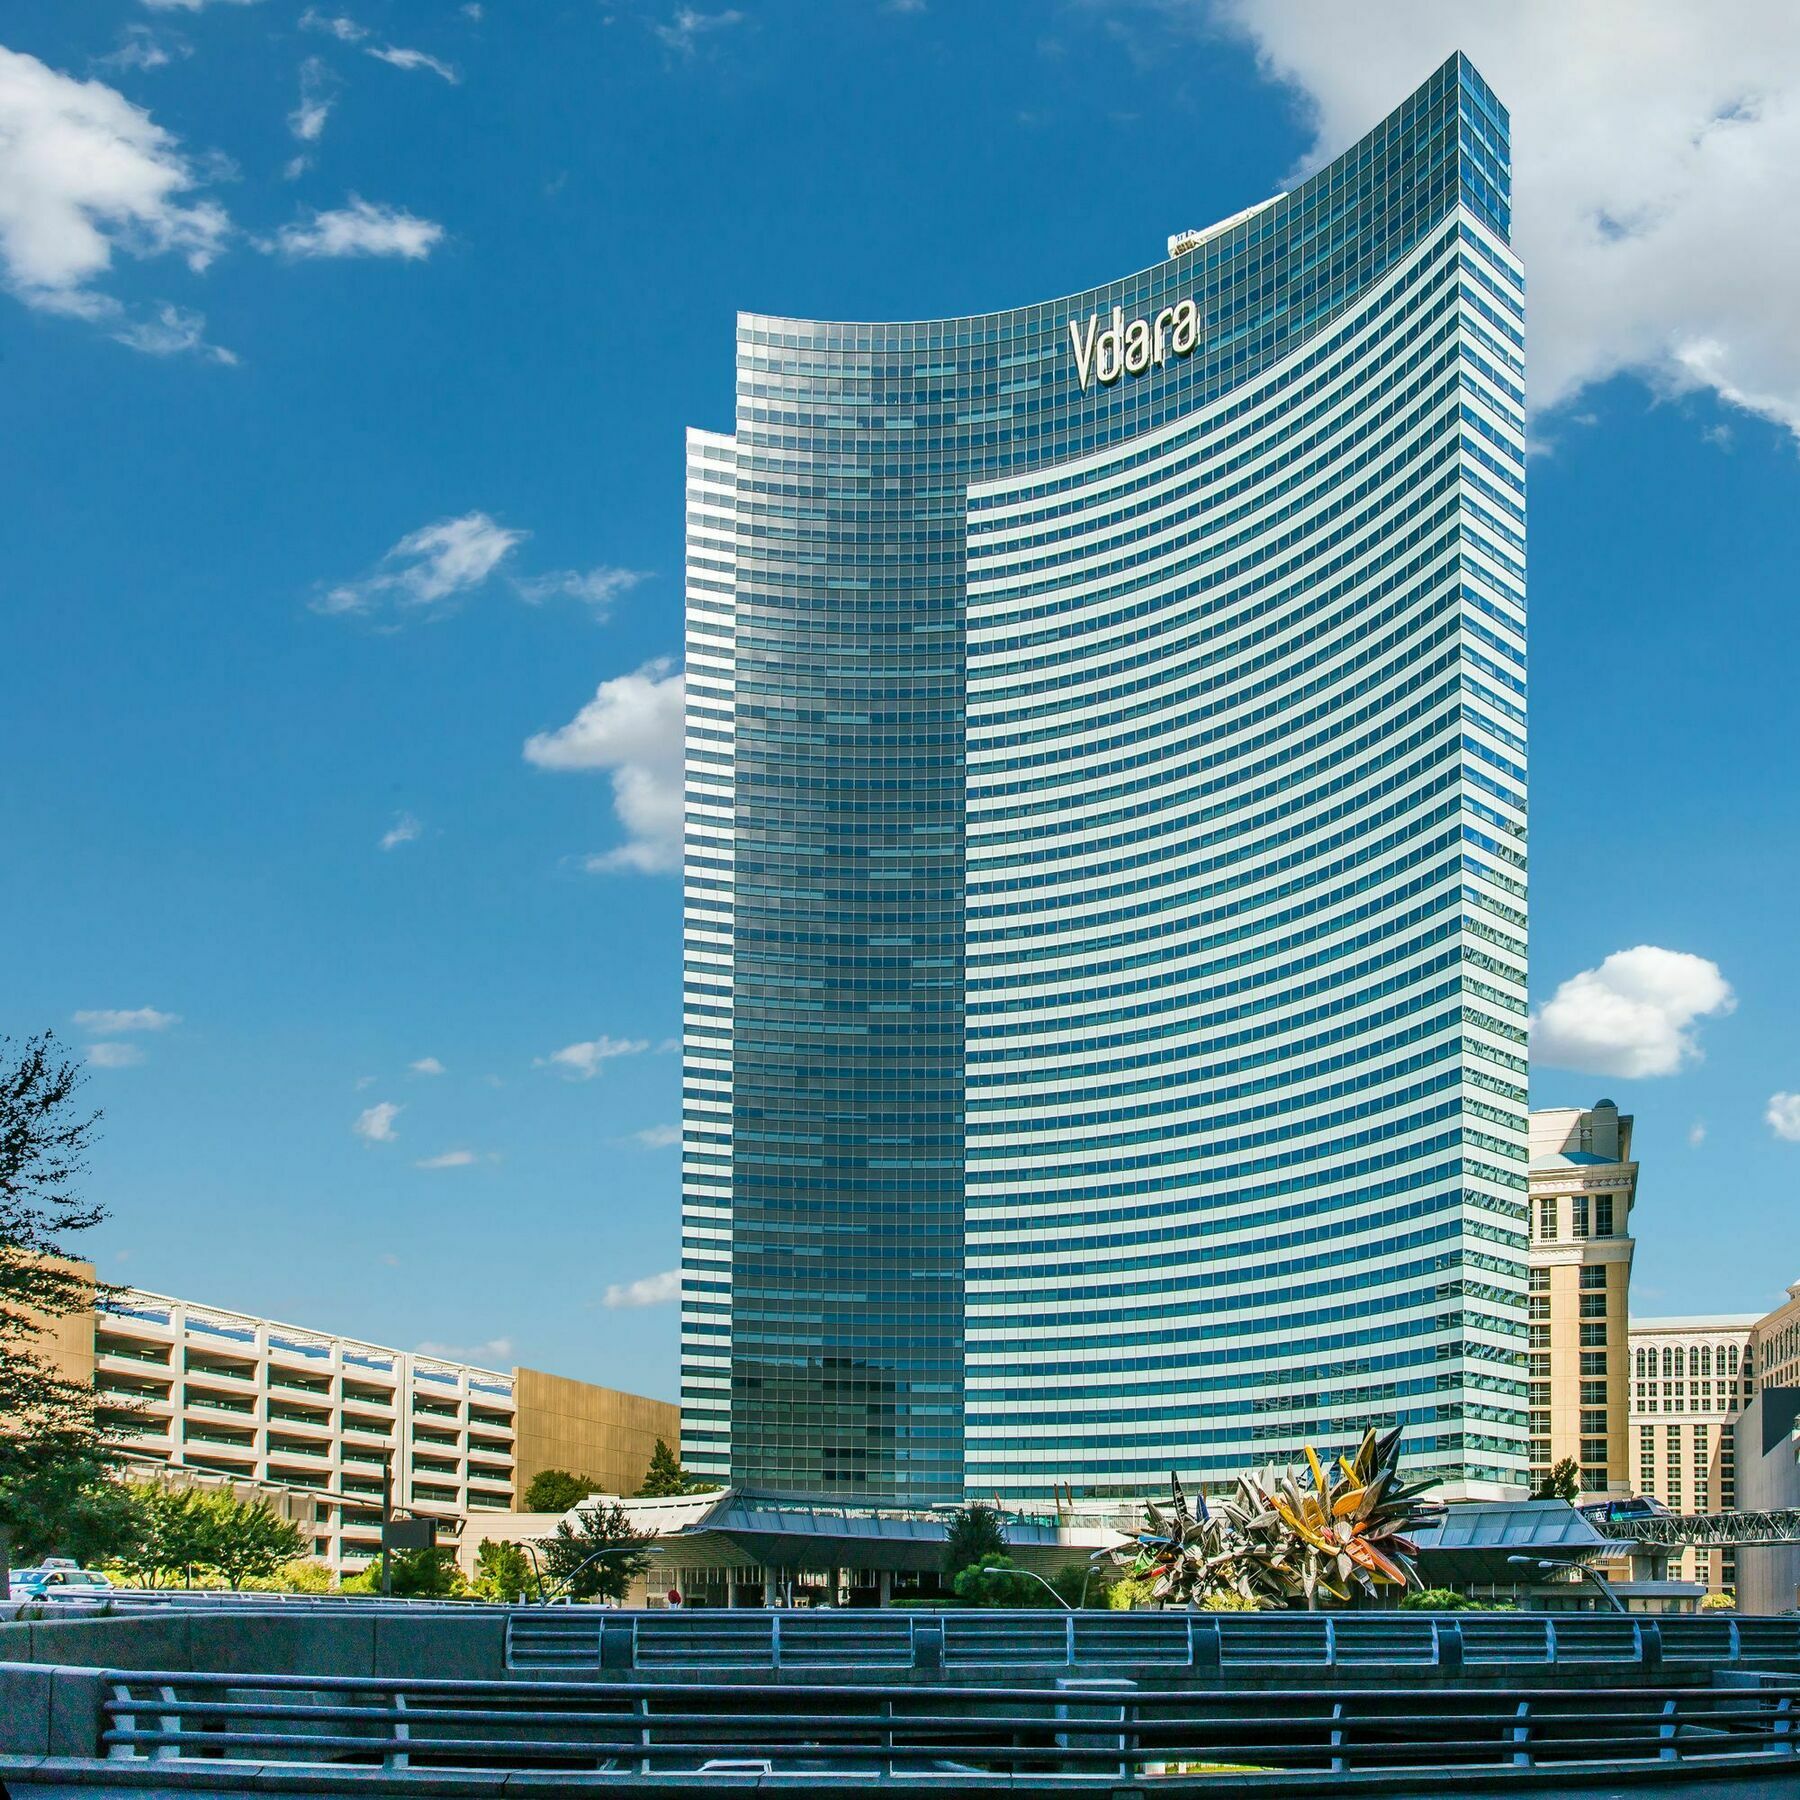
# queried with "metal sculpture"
point(1338, 1531)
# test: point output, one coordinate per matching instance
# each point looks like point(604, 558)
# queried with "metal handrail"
point(1039, 1638)
point(328, 1722)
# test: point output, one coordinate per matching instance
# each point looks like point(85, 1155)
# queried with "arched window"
point(1643, 1356)
point(1706, 1359)
point(1668, 1362)
point(1681, 1362)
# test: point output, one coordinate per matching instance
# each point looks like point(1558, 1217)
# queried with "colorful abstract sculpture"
point(1337, 1530)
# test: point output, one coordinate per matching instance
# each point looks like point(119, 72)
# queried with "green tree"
point(975, 1536)
point(1081, 1583)
point(301, 1576)
point(1131, 1593)
point(998, 1581)
point(503, 1571)
point(54, 1492)
point(240, 1538)
point(416, 1575)
point(666, 1476)
point(169, 1535)
point(556, 1490)
point(1562, 1483)
point(598, 1559)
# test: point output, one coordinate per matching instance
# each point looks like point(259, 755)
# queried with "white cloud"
point(430, 565)
point(168, 331)
point(684, 30)
point(83, 173)
point(1632, 1015)
point(404, 830)
point(472, 10)
point(141, 48)
point(1783, 1116)
point(192, 5)
point(584, 1061)
point(633, 726)
point(427, 1065)
point(647, 1290)
point(346, 31)
point(376, 1124)
point(114, 1056)
point(1654, 143)
point(362, 228)
point(657, 1137)
point(307, 120)
point(450, 1159)
point(113, 1020)
point(596, 588)
point(1696, 1134)
point(495, 1350)
point(413, 59)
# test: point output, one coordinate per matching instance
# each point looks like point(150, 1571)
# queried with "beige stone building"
point(1690, 1378)
point(1583, 1184)
point(313, 1420)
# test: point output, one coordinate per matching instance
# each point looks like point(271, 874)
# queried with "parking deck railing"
point(1057, 1734)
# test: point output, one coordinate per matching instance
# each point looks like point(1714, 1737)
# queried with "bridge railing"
point(208, 1723)
point(591, 1641)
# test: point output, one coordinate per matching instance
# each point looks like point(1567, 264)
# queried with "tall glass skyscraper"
point(1105, 949)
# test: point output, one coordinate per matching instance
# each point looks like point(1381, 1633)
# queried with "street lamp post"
point(1581, 1569)
point(997, 1569)
point(605, 1550)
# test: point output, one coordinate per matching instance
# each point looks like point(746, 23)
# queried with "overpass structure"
point(1704, 1531)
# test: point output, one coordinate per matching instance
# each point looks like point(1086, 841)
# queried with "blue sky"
point(344, 363)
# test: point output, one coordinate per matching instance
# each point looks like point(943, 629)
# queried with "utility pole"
point(387, 1519)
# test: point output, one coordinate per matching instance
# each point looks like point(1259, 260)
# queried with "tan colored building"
point(284, 1410)
point(1690, 1379)
point(1778, 1344)
point(1583, 1184)
point(588, 1430)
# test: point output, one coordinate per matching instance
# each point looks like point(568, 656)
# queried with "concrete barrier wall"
point(442, 1644)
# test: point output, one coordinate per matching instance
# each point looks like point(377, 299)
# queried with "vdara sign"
point(1123, 349)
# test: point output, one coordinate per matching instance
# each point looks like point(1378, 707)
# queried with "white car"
point(59, 1580)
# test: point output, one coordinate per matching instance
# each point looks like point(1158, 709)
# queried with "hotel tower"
point(1105, 869)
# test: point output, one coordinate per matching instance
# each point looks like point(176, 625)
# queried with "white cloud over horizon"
point(427, 1065)
point(647, 1290)
point(141, 48)
point(449, 1159)
point(111, 1020)
point(1653, 150)
point(634, 728)
point(657, 1137)
point(345, 30)
point(496, 1349)
point(595, 588)
point(583, 1061)
point(84, 175)
point(1782, 1116)
point(375, 1124)
point(427, 567)
point(1632, 1016)
point(402, 58)
point(358, 228)
point(405, 830)
point(687, 25)
point(114, 1056)
point(307, 120)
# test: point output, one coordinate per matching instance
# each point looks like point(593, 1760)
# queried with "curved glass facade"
point(1106, 906)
